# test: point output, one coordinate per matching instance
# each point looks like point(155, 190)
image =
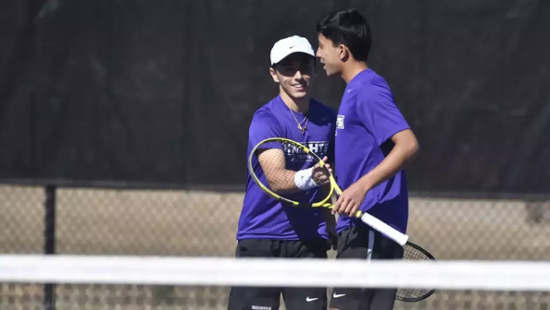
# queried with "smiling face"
point(294, 75)
point(330, 56)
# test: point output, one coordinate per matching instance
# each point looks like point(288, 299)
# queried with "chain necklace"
point(304, 121)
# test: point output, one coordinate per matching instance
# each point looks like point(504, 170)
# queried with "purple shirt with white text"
point(263, 217)
point(367, 119)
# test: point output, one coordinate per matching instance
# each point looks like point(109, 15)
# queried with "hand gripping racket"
point(280, 158)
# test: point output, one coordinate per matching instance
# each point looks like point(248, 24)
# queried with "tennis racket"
point(414, 252)
point(280, 158)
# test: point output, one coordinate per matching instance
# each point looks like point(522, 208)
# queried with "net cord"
point(221, 271)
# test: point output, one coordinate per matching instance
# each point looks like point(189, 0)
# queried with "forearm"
point(282, 181)
point(397, 159)
point(288, 181)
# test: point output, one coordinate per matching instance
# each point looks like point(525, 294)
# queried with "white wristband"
point(304, 180)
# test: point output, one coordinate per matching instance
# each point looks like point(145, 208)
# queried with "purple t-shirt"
point(367, 119)
point(263, 217)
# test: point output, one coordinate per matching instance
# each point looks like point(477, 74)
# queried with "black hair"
point(350, 28)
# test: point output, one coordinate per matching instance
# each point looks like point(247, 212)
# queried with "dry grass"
point(203, 224)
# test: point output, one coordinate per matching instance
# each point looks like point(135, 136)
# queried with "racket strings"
point(412, 294)
point(411, 253)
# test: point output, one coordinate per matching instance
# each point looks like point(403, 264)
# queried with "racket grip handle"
point(383, 228)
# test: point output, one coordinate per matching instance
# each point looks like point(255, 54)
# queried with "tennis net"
point(152, 282)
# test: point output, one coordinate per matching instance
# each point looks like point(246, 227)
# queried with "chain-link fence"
point(194, 223)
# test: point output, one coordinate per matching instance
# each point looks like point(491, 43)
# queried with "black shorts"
point(265, 298)
point(364, 243)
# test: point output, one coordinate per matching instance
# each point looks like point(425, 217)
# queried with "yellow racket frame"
point(370, 220)
point(323, 203)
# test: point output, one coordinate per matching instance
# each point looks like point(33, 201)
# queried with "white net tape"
point(210, 271)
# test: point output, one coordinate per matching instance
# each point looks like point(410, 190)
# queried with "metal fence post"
point(49, 244)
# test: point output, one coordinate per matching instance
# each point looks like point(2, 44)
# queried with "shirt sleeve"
point(378, 112)
point(263, 126)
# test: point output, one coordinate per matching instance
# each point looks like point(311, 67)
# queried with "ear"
point(273, 75)
point(343, 52)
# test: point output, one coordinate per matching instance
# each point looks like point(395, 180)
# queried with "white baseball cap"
point(290, 45)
